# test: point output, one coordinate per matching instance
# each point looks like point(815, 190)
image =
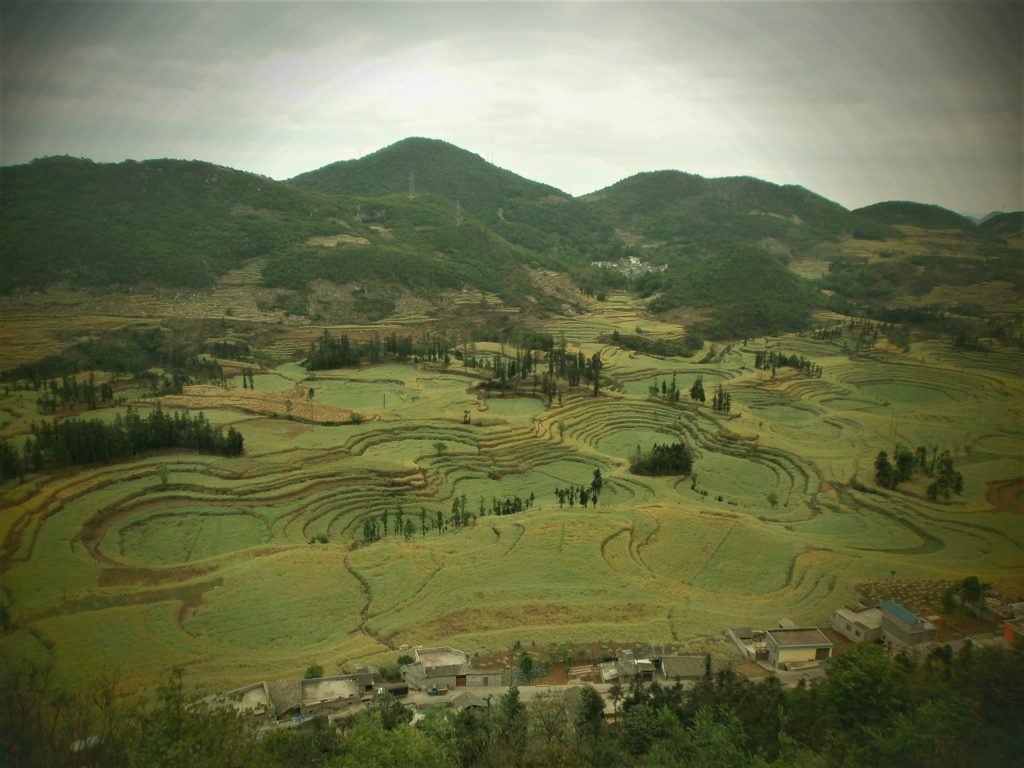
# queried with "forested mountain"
point(423, 215)
point(1004, 224)
point(184, 223)
point(528, 213)
point(169, 222)
point(918, 215)
point(692, 213)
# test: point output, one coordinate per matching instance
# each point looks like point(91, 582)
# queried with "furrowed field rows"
point(177, 558)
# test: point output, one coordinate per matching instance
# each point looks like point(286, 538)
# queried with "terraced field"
point(208, 562)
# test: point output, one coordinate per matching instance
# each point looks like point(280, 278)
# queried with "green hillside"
point(169, 222)
point(917, 215)
point(749, 293)
point(435, 167)
point(418, 243)
point(533, 215)
point(1004, 224)
point(184, 223)
point(689, 214)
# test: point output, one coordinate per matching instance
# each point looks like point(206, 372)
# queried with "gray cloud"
point(857, 101)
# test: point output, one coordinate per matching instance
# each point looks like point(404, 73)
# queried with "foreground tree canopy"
point(871, 710)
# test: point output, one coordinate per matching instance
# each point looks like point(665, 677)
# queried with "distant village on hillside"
point(446, 676)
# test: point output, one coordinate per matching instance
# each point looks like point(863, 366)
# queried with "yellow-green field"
point(111, 568)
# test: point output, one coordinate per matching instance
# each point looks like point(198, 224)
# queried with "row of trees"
point(871, 711)
point(769, 360)
point(905, 463)
point(398, 523)
point(77, 442)
point(581, 493)
point(329, 352)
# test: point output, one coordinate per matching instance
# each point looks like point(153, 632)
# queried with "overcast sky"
point(859, 102)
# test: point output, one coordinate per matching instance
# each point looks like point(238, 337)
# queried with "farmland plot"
point(254, 567)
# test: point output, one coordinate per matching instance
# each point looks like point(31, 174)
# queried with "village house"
point(861, 625)
point(679, 668)
point(639, 662)
point(791, 648)
point(444, 668)
point(905, 627)
point(253, 701)
point(325, 694)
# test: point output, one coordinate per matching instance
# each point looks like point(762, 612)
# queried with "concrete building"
point(252, 701)
point(441, 668)
point(797, 646)
point(689, 667)
point(905, 627)
point(861, 625)
point(324, 694)
point(638, 662)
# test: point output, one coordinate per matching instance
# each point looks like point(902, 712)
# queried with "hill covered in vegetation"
point(425, 216)
point(912, 214)
point(684, 213)
point(185, 223)
point(525, 212)
point(168, 222)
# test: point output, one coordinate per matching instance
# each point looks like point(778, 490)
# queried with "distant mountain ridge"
point(427, 215)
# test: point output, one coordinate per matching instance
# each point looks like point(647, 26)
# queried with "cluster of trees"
point(721, 402)
point(947, 480)
point(133, 352)
point(77, 442)
point(697, 390)
point(825, 333)
point(230, 350)
point(511, 371)
point(508, 505)
point(666, 390)
point(871, 711)
point(684, 347)
point(770, 360)
point(668, 459)
point(70, 392)
point(328, 352)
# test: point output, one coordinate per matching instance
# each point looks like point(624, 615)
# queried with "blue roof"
point(901, 613)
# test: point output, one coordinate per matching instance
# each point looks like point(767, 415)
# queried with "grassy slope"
point(656, 561)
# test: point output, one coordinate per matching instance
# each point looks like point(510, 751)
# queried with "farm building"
point(751, 644)
point(640, 662)
point(446, 667)
point(252, 701)
point(862, 625)
point(327, 693)
point(286, 696)
point(905, 627)
point(468, 700)
point(799, 645)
